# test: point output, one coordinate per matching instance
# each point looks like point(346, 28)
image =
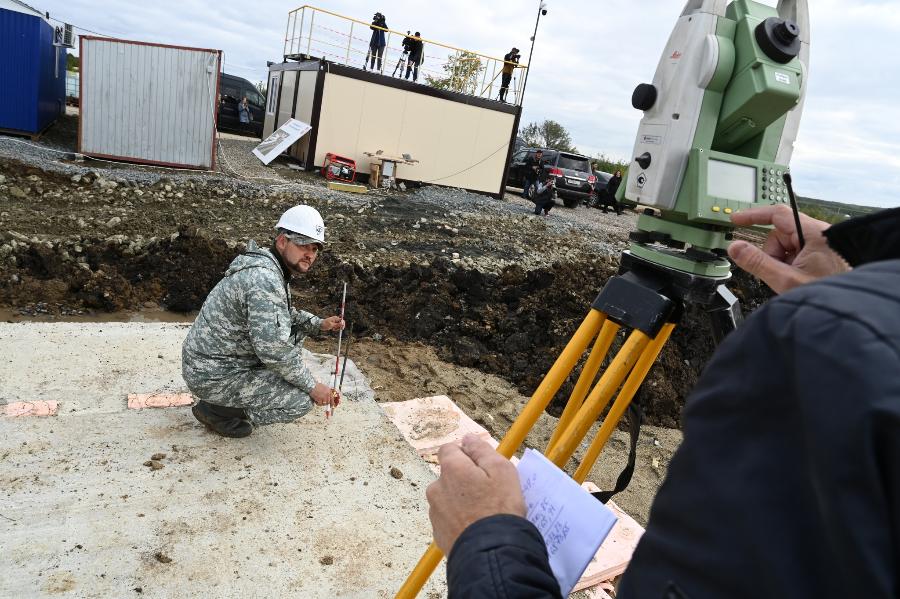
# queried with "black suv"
point(231, 90)
point(574, 176)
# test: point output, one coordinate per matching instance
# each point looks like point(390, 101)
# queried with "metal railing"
point(319, 33)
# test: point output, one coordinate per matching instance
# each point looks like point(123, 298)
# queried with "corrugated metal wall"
point(148, 103)
point(19, 55)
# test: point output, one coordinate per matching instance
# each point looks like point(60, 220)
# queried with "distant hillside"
point(832, 212)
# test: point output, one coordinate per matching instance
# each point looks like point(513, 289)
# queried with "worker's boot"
point(228, 422)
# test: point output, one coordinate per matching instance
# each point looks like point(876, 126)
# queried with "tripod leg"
point(637, 376)
point(624, 361)
point(517, 432)
point(551, 383)
point(588, 374)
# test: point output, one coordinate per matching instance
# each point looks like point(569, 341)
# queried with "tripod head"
point(719, 125)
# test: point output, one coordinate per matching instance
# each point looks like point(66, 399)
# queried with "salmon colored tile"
point(139, 401)
point(19, 409)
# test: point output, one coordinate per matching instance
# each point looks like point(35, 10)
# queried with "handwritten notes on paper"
point(571, 521)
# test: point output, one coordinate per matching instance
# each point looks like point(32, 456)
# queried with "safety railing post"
point(294, 32)
point(384, 53)
point(302, 22)
point(312, 18)
point(483, 80)
point(349, 42)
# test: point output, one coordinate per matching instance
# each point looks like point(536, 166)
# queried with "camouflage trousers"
point(265, 397)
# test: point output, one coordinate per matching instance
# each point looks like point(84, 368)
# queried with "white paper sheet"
point(571, 521)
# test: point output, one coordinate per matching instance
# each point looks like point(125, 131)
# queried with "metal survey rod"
point(337, 357)
point(346, 354)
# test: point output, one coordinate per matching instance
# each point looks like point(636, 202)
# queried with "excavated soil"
point(480, 281)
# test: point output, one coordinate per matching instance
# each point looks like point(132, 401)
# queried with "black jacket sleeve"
point(500, 556)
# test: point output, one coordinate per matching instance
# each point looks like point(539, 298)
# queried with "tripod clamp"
point(645, 296)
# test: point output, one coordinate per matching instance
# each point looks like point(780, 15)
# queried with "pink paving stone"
point(19, 409)
point(139, 401)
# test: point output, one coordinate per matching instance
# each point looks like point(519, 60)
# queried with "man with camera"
point(408, 44)
point(510, 62)
point(377, 42)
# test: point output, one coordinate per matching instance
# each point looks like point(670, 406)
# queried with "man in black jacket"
point(787, 483)
point(416, 54)
point(532, 171)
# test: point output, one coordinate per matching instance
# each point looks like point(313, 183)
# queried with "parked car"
point(602, 180)
point(231, 90)
point(574, 177)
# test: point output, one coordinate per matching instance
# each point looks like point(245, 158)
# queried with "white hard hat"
point(303, 220)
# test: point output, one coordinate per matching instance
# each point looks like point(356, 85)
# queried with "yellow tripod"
point(649, 299)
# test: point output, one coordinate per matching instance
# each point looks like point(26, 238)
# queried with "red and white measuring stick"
point(337, 357)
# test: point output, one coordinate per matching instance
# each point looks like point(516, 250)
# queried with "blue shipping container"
point(32, 73)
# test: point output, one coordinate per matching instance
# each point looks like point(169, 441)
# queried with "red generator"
point(339, 168)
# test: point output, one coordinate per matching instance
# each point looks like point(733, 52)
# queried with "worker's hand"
point(320, 394)
point(333, 323)
point(780, 263)
point(475, 482)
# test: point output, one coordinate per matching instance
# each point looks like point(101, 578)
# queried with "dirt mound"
point(513, 324)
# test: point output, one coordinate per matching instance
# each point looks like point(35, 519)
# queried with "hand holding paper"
point(476, 482)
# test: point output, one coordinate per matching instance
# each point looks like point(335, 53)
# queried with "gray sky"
point(588, 57)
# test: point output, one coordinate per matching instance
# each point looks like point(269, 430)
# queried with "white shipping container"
point(149, 103)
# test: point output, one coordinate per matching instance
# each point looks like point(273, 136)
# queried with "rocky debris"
point(162, 557)
point(326, 560)
point(158, 456)
point(479, 278)
point(396, 472)
point(154, 465)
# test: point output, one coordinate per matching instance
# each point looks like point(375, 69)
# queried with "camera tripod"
point(401, 62)
point(645, 297)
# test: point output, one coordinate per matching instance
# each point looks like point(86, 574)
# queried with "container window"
point(274, 80)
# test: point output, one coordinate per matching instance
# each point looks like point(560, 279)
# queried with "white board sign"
point(280, 140)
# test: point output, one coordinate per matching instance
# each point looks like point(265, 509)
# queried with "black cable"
point(790, 188)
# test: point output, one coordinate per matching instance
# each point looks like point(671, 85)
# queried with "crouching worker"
point(543, 194)
point(242, 357)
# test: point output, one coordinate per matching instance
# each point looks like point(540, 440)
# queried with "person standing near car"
point(510, 62)
point(244, 115)
point(608, 196)
point(377, 42)
point(416, 54)
point(533, 172)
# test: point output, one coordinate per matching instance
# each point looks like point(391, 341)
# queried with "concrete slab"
point(306, 509)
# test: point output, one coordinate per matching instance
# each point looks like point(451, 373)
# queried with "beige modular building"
point(459, 140)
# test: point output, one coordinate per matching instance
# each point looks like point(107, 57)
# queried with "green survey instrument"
point(718, 130)
point(719, 125)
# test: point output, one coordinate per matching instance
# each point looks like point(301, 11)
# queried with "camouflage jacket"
point(247, 322)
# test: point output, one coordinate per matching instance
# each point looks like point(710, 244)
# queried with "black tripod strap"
point(635, 416)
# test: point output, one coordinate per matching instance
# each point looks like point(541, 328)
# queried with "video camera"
point(379, 20)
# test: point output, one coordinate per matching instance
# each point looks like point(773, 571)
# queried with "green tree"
point(548, 134)
point(461, 74)
point(602, 162)
point(72, 62)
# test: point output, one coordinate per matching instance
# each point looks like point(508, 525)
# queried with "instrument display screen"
point(731, 181)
